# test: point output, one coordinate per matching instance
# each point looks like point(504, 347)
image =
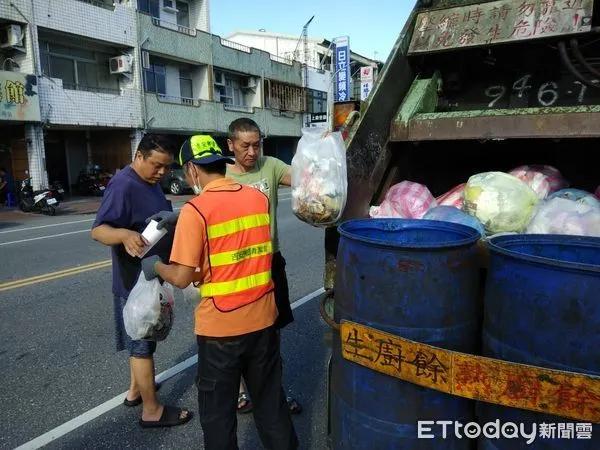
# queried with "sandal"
point(294, 405)
point(171, 417)
point(244, 403)
point(138, 401)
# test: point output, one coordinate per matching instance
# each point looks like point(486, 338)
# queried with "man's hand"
point(149, 267)
point(134, 243)
point(164, 218)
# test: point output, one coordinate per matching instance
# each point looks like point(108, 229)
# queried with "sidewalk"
point(71, 206)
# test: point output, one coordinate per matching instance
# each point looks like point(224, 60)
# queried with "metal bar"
point(436, 127)
point(564, 394)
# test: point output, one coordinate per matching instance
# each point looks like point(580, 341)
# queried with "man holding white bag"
point(132, 196)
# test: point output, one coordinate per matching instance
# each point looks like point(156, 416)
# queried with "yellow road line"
point(53, 275)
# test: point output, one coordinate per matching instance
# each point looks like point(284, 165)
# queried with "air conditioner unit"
point(250, 83)
point(219, 78)
point(13, 36)
point(120, 64)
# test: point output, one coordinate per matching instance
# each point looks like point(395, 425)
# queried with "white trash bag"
point(319, 179)
point(562, 216)
point(148, 312)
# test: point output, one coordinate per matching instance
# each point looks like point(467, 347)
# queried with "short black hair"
point(157, 142)
point(3, 169)
point(242, 125)
point(217, 167)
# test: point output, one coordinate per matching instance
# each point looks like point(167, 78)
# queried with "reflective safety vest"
point(237, 225)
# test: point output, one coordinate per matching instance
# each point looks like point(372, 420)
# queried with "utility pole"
point(304, 39)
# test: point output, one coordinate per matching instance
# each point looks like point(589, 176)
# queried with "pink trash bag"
point(454, 197)
point(406, 200)
point(544, 180)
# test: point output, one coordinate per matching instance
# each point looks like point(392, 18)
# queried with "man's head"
point(245, 142)
point(202, 161)
point(153, 157)
point(2, 171)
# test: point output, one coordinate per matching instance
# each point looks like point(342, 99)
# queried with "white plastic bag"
point(502, 202)
point(563, 216)
point(148, 312)
point(319, 180)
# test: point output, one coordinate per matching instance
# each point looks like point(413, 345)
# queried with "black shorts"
point(282, 292)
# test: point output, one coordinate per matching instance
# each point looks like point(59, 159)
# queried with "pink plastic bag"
point(454, 197)
point(544, 180)
point(407, 200)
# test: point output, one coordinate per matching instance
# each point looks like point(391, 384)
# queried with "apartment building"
point(93, 75)
point(198, 82)
point(317, 54)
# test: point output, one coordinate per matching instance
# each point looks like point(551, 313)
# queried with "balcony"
point(84, 18)
point(176, 42)
point(75, 105)
point(168, 114)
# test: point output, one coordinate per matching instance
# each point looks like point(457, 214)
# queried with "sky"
point(371, 28)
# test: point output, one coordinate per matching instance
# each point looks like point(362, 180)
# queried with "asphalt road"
point(62, 381)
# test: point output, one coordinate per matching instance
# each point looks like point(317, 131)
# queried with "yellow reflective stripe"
point(239, 224)
point(235, 256)
point(234, 286)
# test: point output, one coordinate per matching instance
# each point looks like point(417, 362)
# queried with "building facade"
point(316, 55)
point(101, 72)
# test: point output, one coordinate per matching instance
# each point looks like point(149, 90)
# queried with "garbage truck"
point(442, 337)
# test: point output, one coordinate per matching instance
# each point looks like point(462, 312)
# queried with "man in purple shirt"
point(132, 196)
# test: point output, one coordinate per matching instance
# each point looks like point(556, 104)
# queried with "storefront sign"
point(366, 82)
point(500, 21)
point(19, 101)
point(342, 66)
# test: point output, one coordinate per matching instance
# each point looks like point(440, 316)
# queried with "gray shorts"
point(123, 341)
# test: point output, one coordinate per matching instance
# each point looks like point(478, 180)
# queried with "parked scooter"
point(58, 191)
point(37, 201)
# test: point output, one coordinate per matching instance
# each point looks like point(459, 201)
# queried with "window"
point(151, 7)
point(79, 69)
point(183, 14)
point(316, 101)
point(155, 79)
point(230, 93)
point(185, 84)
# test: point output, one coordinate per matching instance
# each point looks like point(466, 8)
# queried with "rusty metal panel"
point(499, 21)
point(524, 123)
point(475, 377)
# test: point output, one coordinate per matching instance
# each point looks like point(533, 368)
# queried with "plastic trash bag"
point(405, 200)
point(148, 312)
point(319, 180)
point(191, 294)
point(577, 195)
point(544, 180)
point(500, 201)
point(451, 214)
point(562, 216)
point(454, 197)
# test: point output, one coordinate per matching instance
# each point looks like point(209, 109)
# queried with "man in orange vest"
point(223, 245)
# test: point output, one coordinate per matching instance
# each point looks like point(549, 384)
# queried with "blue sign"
point(342, 67)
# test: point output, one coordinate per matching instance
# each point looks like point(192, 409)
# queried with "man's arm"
point(133, 242)
point(176, 274)
point(283, 172)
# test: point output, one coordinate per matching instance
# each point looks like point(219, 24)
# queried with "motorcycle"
point(92, 181)
point(58, 191)
point(37, 201)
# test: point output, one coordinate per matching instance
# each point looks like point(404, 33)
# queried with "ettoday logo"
point(508, 430)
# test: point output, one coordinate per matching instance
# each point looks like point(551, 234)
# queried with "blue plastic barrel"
point(542, 308)
point(417, 279)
